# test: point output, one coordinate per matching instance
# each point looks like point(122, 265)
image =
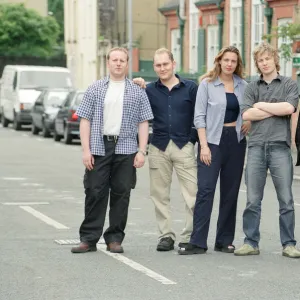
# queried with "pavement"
point(41, 208)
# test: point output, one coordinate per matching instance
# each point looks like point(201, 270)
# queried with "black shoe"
point(165, 244)
point(182, 245)
point(83, 248)
point(191, 249)
point(225, 249)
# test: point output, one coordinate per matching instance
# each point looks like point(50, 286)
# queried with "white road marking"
point(31, 184)
point(243, 191)
point(25, 203)
point(136, 208)
point(136, 266)
point(297, 204)
point(13, 178)
point(44, 218)
point(40, 139)
point(25, 134)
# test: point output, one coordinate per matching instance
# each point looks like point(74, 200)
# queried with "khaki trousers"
point(161, 165)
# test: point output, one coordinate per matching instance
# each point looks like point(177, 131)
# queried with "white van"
point(20, 87)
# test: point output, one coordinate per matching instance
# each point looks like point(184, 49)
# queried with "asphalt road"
point(41, 208)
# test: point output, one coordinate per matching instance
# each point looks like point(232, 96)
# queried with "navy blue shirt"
point(173, 113)
point(232, 108)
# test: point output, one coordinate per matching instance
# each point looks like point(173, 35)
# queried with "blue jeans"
point(275, 156)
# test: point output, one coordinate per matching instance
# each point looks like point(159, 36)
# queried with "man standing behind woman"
point(172, 100)
point(221, 151)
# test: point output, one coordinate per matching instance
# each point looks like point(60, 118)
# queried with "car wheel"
point(45, 131)
point(56, 136)
point(4, 121)
point(34, 129)
point(17, 124)
point(67, 136)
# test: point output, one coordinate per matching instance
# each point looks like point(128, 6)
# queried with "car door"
point(38, 110)
point(62, 115)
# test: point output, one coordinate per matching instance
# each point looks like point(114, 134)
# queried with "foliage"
point(23, 32)
point(288, 32)
point(56, 9)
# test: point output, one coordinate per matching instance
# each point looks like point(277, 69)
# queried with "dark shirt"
point(232, 108)
point(275, 128)
point(173, 113)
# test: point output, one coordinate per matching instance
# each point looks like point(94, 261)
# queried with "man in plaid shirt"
point(112, 112)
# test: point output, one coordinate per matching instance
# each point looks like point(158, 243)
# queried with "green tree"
point(288, 33)
point(56, 9)
point(23, 32)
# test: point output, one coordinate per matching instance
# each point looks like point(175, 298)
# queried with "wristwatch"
point(143, 152)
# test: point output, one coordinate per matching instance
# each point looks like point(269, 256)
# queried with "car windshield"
point(46, 79)
point(78, 99)
point(55, 98)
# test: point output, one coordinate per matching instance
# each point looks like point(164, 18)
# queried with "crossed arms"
point(263, 110)
point(256, 111)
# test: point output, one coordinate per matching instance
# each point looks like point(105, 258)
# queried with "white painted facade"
point(81, 42)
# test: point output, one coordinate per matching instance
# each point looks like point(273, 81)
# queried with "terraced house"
point(196, 30)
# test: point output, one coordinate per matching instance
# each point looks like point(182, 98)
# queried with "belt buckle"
point(109, 138)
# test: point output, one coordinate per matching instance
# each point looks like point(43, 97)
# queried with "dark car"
point(67, 122)
point(45, 109)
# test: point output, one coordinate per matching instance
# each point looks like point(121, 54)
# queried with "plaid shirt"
point(136, 109)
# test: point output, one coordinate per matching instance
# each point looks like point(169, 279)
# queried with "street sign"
point(296, 60)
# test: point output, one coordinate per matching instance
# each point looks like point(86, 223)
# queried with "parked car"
point(45, 109)
point(67, 122)
point(20, 87)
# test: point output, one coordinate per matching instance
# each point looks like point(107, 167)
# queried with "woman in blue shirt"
point(221, 151)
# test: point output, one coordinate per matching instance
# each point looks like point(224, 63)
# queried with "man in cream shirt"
point(112, 112)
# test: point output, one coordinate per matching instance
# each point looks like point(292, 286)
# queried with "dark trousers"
point(228, 161)
point(113, 176)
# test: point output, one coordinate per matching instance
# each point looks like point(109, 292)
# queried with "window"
point(50, 79)
point(257, 31)
point(194, 26)
point(78, 99)
point(55, 98)
point(212, 45)
point(286, 67)
point(175, 46)
point(235, 23)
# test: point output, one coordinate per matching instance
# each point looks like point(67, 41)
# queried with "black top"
point(232, 108)
point(173, 113)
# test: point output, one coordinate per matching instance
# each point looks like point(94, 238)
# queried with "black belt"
point(111, 138)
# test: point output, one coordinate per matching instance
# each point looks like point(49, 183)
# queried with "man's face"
point(228, 63)
point(163, 66)
point(266, 63)
point(117, 63)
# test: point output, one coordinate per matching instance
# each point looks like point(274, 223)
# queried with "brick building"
point(202, 27)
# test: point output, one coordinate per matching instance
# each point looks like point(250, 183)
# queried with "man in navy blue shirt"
point(172, 101)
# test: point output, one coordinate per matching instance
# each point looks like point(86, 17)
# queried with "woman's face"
point(228, 63)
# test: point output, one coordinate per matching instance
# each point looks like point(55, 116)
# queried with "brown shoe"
point(115, 247)
point(83, 248)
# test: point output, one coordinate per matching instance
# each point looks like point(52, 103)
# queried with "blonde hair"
point(162, 51)
point(121, 49)
point(262, 48)
point(216, 71)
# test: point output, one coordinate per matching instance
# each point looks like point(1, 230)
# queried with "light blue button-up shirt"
point(211, 105)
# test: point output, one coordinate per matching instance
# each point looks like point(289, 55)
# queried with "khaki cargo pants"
point(161, 164)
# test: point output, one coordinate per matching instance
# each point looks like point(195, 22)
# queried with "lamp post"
point(129, 15)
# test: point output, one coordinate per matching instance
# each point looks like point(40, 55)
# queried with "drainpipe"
point(220, 19)
point(269, 16)
point(243, 31)
point(181, 18)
